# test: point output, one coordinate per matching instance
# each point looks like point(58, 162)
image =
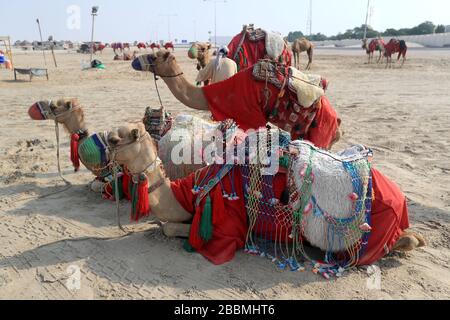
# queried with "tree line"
point(426, 27)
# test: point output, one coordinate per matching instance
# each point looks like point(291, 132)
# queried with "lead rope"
point(58, 154)
point(155, 77)
point(117, 196)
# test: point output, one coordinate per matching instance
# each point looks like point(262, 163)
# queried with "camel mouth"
point(143, 63)
point(35, 112)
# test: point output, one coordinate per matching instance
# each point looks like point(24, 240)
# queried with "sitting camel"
point(126, 56)
point(374, 45)
point(169, 45)
point(258, 98)
point(218, 69)
point(200, 51)
point(90, 150)
point(214, 200)
point(299, 46)
point(154, 46)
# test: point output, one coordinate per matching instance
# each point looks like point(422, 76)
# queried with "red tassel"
point(126, 181)
point(74, 151)
point(141, 207)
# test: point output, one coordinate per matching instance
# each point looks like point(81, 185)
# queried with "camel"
point(169, 45)
point(141, 45)
point(99, 48)
point(302, 45)
point(374, 45)
point(70, 114)
point(392, 47)
point(219, 69)
point(154, 46)
point(200, 51)
point(164, 65)
point(126, 56)
point(133, 147)
point(117, 46)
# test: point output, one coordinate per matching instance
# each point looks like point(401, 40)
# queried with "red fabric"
point(252, 52)
point(229, 219)
point(326, 124)
point(242, 99)
point(142, 208)
point(74, 157)
point(388, 220)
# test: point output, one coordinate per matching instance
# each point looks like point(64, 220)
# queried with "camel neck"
point(185, 92)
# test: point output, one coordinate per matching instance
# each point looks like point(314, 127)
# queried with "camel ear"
point(209, 46)
point(135, 134)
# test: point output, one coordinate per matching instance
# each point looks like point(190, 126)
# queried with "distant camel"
point(299, 46)
point(126, 45)
point(374, 45)
point(117, 46)
point(169, 45)
point(393, 47)
point(201, 52)
point(141, 45)
point(99, 47)
point(154, 46)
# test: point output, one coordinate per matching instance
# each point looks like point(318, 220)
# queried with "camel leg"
point(409, 241)
point(176, 230)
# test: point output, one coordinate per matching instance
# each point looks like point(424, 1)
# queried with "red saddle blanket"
point(243, 99)
point(389, 217)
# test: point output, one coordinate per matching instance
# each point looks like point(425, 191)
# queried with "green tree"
point(440, 28)
point(427, 27)
point(292, 36)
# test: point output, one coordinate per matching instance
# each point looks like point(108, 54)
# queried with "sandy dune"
point(404, 115)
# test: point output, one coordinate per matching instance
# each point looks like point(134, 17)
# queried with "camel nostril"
point(113, 141)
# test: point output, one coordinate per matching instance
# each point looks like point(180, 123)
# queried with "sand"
point(46, 243)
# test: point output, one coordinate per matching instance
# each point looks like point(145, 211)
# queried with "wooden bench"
point(33, 72)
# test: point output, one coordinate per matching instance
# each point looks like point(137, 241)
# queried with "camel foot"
point(176, 230)
point(409, 241)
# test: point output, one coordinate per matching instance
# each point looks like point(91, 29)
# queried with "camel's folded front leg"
point(176, 230)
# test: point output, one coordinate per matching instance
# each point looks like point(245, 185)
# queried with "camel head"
point(132, 147)
point(200, 51)
point(65, 111)
point(161, 63)
point(364, 44)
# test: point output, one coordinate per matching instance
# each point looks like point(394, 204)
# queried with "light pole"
point(168, 21)
point(94, 14)
point(215, 17)
point(367, 19)
point(42, 41)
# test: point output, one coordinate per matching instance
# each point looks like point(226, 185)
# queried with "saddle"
point(335, 195)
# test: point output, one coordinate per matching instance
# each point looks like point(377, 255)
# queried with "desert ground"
point(48, 233)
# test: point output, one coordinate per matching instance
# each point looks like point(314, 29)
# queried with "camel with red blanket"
point(141, 45)
point(169, 45)
point(395, 46)
point(252, 102)
point(374, 45)
point(154, 46)
point(213, 200)
point(252, 45)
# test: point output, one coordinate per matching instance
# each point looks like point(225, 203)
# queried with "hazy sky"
point(141, 19)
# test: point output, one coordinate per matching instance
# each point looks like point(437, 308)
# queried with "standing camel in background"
point(299, 46)
point(393, 47)
point(117, 46)
point(374, 45)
